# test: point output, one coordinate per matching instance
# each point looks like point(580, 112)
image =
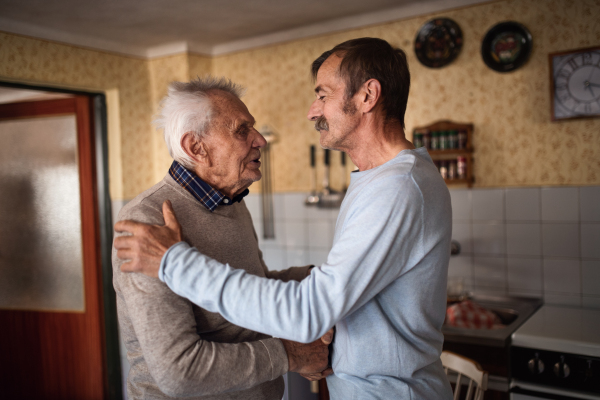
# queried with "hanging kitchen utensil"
point(266, 187)
point(312, 197)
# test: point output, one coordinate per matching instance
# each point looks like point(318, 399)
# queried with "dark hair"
point(372, 58)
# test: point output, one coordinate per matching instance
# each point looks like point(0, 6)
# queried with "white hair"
point(188, 108)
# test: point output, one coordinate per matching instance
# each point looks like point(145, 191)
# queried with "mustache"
point(321, 124)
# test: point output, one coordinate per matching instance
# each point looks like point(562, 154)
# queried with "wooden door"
point(54, 354)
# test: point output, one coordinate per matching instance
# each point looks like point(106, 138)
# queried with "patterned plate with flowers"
point(438, 42)
point(506, 46)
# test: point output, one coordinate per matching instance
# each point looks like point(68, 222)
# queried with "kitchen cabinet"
point(452, 154)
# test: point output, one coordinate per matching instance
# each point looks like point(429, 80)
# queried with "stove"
point(556, 355)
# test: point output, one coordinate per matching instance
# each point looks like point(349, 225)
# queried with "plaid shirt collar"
point(202, 191)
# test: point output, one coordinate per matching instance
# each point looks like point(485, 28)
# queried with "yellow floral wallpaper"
point(162, 72)
point(40, 62)
point(515, 142)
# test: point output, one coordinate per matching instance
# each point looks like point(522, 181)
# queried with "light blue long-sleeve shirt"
point(383, 286)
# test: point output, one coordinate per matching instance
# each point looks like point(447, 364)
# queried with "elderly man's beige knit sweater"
point(177, 349)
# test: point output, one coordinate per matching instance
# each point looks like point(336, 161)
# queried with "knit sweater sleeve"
point(181, 363)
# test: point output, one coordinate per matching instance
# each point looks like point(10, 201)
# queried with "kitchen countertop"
point(562, 329)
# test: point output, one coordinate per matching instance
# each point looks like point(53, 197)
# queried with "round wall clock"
point(575, 84)
point(506, 46)
point(438, 42)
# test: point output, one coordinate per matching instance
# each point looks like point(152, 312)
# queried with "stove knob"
point(561, 369)
point(589, 373)
point(535, 365)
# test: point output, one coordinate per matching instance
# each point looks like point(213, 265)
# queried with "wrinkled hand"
point(147, 244)
point(327, 338)
point(310, 360)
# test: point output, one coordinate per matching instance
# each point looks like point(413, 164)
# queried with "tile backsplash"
point(542, 242)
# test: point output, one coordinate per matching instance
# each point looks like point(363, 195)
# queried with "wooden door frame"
point(99, 141)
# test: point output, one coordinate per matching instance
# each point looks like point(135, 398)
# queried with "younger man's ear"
point(371, 93)
point(195, 148)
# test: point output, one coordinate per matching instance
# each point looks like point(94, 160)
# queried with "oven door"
point(527, 391)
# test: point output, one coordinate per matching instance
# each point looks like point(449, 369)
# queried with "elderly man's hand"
point(147, 244)
point(310, 360)
point(327, 338)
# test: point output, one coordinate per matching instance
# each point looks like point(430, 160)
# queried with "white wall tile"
point(461, 266)
point(489, 238)
point(461, 204)
point(562, 276)
point(590, 280)
point(279, 233)
point(334, 214)
point(560, 204)
point(116, 206)
point(491, 290)
point(278, 206)
point(296, 257)
point(590, 240)
point(560, 240)
point(590, 301)
point(317, 257)
point(525, 274)
point(315, 213)
point(589, 201)
point(489, 272)
point(320, 234)
point(538, 294)
point(294, 208)
point(254, 206)
point(461, 232)
point(488, 204)
point(274, 257)
point(296, 233)
point(524, 239)
point(523, 204)
point(556, 299)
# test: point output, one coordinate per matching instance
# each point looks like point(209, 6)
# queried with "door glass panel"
point(41, 265)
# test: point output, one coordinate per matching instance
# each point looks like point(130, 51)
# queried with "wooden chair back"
point(469, 369)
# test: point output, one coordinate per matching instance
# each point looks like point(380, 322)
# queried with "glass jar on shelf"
point(462, 139)
point(461, 167)
point(435, 140)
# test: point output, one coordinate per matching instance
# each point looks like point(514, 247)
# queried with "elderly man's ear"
point(195, 148)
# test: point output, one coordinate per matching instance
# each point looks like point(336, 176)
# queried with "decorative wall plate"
point(506, 46)
point(438, 42)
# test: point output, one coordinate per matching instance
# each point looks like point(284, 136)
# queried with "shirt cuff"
point(278, 357)
point(172, 252)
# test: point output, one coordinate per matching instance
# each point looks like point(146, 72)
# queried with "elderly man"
point(384, 282)
point(175, 348)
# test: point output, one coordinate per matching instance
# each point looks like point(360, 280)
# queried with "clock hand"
point(592, 84)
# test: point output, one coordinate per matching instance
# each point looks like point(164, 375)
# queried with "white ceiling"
point(151, 28)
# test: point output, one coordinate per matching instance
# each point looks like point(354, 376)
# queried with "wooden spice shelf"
point(447, 154)
point(450, 152)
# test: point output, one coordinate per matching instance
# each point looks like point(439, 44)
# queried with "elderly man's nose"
point(259, 141)
point(314, 111)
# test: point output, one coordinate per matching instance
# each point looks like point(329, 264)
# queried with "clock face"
point(576, 84)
